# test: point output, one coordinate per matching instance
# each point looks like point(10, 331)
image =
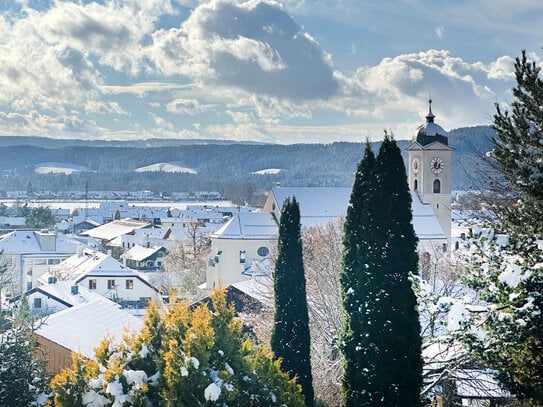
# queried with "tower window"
point(437, 186)
point(415, 184)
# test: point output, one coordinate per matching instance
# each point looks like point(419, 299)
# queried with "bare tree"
point(322, 259)
point(187, 260)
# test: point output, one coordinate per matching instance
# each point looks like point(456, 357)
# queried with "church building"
point(429, 170)
point(240, 249)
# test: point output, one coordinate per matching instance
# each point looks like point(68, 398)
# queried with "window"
point(37, 302)
point(263, 251)
point(40, 262)
point(53, 261)
point(437, 186)
point(110, 284)
point(92, 284)
point(415, 184)
point(129, 284)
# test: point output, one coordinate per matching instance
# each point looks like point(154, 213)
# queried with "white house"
point(237, 247)
point(109, 234)
point(106, 276)
point(29, 253)
point(58, 295)
point(144, 258)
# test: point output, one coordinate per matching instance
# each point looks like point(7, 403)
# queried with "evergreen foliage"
point(22, 366)
point(40, 218)
point(519, 142)
point(290, 340)
point(506, 258)
point(182, 357)
point(380, 340)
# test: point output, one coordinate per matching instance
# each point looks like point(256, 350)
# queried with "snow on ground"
point(58, 168)
point(268, 171)
point(166, 167)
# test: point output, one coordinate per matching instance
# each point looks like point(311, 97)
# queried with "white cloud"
point(255, 46)
point(186, 106)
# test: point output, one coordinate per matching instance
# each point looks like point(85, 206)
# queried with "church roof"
point(321, 204)
point(249, 225)
point(430, 132)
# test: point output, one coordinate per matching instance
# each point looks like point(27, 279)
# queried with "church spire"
point(430, 116)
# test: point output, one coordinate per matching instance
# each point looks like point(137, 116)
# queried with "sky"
point(296, 71)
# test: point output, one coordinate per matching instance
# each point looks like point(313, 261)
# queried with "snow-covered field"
point(166, 167)
point(58, 168)
point(268, 171)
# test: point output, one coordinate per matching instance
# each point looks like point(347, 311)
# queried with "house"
point(247, 238)
point(144, 258)
point(109, 234)
point(80, 329)
point(102, 274)
point(28, 254)
point(82, 225)
point(56, 296)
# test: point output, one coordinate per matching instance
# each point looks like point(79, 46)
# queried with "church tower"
point(429, 160)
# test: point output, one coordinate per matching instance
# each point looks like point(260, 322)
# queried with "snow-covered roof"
point(249, 225)
point(260, 289)
point(62, 291)
point(154, 233)
point(425, 223)
point(82, 327)
point(88, 263)
point(116, 228)
point(140, 253)
point(319, 205)
point(28, 241)
point(479, 384)
point(260, 267)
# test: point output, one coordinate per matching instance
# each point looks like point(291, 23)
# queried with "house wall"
point(58, 357)
point(34, 267)
point(47, 304)
point(228, 269)
point(120, 290)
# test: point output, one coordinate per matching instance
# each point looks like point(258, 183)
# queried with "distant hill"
point(163, 165)
point(48, 142)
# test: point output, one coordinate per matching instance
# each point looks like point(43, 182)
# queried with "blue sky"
point(297, 71)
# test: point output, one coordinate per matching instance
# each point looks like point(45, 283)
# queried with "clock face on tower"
point(436, 165)
point(415, 165)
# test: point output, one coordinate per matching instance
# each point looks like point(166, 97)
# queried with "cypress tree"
point(380, 340)
point(290, 340)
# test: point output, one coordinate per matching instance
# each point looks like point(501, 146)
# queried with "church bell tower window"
point(437, 186)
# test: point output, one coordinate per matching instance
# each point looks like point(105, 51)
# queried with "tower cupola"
point(430, 131)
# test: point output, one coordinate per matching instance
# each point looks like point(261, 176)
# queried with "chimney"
point(47, 240)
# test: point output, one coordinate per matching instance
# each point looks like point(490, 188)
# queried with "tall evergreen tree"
point(509, 277)
point(22, 365)
point(381, 336)
point(290, 339)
